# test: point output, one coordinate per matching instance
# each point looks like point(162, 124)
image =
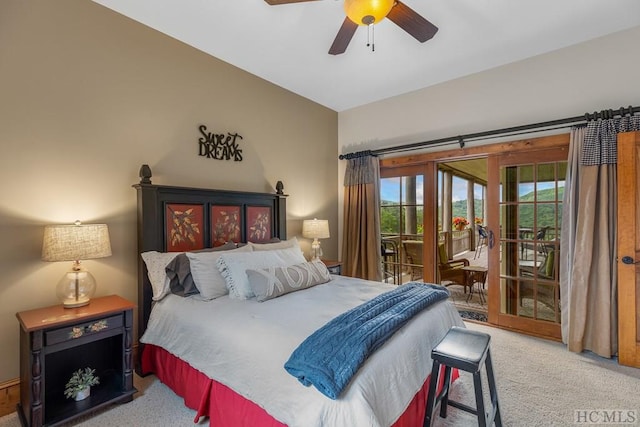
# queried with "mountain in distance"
point(546, 212)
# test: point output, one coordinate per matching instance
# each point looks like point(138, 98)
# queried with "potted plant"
point(79, 385)
point(459, 223)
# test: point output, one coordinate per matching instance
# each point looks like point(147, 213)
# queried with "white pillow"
point(284, 244)
point(272, 282)
point(156, 262)
point(205, 274)
point(233, 267)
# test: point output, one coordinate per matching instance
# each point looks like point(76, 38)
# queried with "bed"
point(225, 355)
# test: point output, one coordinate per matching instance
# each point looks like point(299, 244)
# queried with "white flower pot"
point(83, 394)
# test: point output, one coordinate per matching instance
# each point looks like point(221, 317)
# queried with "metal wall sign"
point(219, 146)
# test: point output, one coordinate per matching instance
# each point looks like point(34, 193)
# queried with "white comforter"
point(244, 345)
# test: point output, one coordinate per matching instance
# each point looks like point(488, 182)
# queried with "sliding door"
point(525, 210)
point(523, 197)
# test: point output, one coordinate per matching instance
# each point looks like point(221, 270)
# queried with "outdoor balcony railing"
point(396, 264)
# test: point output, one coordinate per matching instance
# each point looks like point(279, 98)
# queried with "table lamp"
point(75, 243)
point(315, 229)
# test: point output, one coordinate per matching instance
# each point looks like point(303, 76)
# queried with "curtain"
point(568, 226)
point(361, 241)
point(591, 315)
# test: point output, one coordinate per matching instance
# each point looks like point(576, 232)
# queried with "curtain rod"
point(460, 139)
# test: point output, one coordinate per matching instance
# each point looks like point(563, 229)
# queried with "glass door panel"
point(529, 194)
point(402, 228)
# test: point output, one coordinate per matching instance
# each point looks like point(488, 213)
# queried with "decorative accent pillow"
point(156, 263)
point(206, 276)
point(279, 244)
point(179, 271)
point(234, 266)
point(273, 282)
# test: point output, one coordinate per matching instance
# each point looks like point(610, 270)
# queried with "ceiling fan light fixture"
point(367, 12)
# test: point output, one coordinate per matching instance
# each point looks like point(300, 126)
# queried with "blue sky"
point(390, 189)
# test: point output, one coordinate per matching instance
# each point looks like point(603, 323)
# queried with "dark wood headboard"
point(162, 226)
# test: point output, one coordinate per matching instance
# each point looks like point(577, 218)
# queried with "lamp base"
point(76, 288)
point(74, 303)
point(316, 250)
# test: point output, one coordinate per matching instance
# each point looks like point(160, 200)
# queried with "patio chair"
point(482, 241)
point(450, 270)
point(541, 234)
point(413, 254)
point(390, 265)
point(546, 271)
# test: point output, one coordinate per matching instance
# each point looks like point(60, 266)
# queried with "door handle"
point(628, 260)
point(491, 239)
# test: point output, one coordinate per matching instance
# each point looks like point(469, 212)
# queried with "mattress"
point(243, 344)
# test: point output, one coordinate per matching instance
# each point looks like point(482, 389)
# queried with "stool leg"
point(444, 403)
point(477, 385)
point(431, 397)
point(493, 392)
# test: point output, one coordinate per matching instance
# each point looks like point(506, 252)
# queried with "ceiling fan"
point(369, 12)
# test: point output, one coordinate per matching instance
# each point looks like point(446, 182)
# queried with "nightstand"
point(56, 341)
point(334, 267)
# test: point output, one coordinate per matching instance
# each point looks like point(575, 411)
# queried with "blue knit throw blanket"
point(330, 356)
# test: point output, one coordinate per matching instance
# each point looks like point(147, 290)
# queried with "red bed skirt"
point(224, 407)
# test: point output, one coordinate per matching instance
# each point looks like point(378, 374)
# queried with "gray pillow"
point(272, 282)
point(179, 272)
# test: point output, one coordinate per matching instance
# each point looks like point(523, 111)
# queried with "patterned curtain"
point(589, 289)
point(361, 241)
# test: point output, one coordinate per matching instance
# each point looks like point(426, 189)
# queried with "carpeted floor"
point(539, 383)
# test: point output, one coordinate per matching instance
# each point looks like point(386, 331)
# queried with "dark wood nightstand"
point(56, 341)
point(334, 267)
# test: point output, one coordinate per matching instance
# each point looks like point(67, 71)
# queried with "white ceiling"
point(288, 44)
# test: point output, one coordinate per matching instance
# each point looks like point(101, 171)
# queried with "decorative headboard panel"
point(172, 219)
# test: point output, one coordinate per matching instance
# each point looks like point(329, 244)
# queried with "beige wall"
point(86, 97)
point(565, 83)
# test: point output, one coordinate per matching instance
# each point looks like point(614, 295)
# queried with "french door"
point(524, 194)
point(525, 185)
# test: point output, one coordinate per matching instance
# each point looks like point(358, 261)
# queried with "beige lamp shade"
point(75, 243)
point(315, 228)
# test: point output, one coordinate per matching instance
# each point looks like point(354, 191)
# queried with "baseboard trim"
point(9, 396)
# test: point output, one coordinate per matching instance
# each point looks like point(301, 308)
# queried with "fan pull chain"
point(373, 43)
point(370, 37)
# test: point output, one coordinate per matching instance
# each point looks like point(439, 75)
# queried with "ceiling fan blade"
point(412, 22)
point(344, 36)
point(277, 2)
